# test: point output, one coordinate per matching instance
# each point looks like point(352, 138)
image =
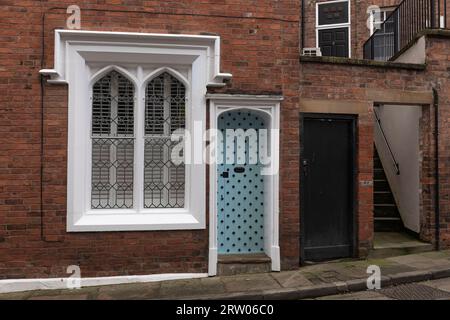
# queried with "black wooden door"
point(334, 42)
point(327, 165)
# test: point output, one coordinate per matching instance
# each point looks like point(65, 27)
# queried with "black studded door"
point(327, 186)
point(240, 198)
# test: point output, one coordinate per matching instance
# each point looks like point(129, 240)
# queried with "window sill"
point(106, 221)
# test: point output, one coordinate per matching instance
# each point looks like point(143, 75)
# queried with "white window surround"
point(383, 14)
point(269, 106)
point(81, 58)
point(335, 26)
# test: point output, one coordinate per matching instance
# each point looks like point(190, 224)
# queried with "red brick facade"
point(436, 75)
point(260, 47)
point(358, 18)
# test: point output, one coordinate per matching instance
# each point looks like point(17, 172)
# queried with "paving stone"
point(420, 261)
point(354, 272)
point(212, 285)
point(335, 272)
point(135, 291)
point(180, 288)
point(15, 295)
point(291, 279)
point(313, 278)
point(395, 269)
point(62, 297)
point(250, 282)
point(443, 254)
point(326, 276)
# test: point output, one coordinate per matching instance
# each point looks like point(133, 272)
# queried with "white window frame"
point(335, 25)
point(383, 11)
point(76, 52)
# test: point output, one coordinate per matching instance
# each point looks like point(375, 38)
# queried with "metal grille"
point(112, 143)
point(117, 91)
point(165, 107)
point(164, 180)
point(414, 291)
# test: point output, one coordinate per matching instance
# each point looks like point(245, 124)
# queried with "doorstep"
point(234, 264)
point(391, 244)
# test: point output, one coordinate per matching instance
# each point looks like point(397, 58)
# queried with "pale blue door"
point(240, 186)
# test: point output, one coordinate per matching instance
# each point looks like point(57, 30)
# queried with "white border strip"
point(18, 285)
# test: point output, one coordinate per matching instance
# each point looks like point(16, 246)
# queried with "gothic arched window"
point(112, 142)
point(165, 113)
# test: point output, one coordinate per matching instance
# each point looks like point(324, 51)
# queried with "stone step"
point(377, 163)
point(384, 210)
point(388, 224)
point(381, 185)
point(383, 197)
point(232, 264)
point(386, 214)
point(378, 174)
point(390, 244)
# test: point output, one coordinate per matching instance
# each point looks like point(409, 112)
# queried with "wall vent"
point(312, 52)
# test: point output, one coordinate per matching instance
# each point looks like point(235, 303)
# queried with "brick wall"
point(260, 48)
point(359, 30)
point(260, 41)
point(438, 59)
point(350, 83)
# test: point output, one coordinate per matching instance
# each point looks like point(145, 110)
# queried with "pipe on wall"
point(302, 18)
point(437, 214)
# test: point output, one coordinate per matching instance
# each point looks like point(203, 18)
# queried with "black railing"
point(402, 25)
point(388, 145)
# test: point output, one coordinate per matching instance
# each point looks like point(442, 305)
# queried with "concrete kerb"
point(334, 288)
point(408, 277)
point(439, 273)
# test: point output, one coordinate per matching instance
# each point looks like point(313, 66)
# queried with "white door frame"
point(270, 106)
point(347, 24)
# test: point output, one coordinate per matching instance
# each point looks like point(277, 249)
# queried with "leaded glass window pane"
point(112, 142)
point(165, 107)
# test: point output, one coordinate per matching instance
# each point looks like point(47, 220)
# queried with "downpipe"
point(437, 214)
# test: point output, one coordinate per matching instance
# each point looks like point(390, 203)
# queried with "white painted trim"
point(385, 11)
point(83, 56)
point(211, 44)
point(243, 97)
point(19, 285)
point(270, 106)
point(335, 26)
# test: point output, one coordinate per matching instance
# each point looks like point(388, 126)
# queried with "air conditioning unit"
point(312, 52)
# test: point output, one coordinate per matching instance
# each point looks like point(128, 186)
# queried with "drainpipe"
point(437, 189)
point(303, 25)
